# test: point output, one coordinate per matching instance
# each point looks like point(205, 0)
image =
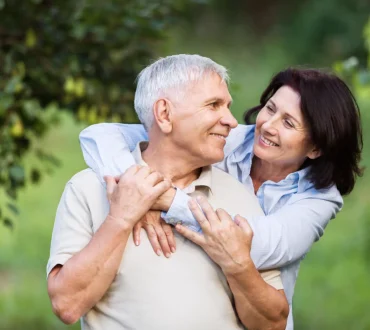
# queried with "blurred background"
point(68, 64)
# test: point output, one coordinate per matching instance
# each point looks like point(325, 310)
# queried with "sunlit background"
point(65, 66)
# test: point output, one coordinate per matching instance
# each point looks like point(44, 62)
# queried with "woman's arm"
point(279, 238)
point(107, 147)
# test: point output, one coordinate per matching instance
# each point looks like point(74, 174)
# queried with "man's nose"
point(228, 119)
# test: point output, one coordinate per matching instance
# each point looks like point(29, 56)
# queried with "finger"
point(199, 216)
point(170, 237)
point(143, 172)
point(136, 233)
point(208, 211)
point(111, 185)
point(190, 235)
point(132, 170)
point(162, 238)
point(153, 239)
point(161, 188)
point(223, 215)
point(154, 178)
point(243, 224)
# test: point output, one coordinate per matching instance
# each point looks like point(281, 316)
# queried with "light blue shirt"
point(296, 214)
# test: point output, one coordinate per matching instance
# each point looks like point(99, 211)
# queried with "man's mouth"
point(219, 136)
point(268, 142)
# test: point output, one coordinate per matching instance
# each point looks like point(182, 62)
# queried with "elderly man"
point(96, 272)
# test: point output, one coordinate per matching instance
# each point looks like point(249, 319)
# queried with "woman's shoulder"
point(241, 135)
point(308, 191)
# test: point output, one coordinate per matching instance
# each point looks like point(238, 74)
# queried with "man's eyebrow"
point(218, 100)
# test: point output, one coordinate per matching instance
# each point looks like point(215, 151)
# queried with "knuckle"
point(152, 234)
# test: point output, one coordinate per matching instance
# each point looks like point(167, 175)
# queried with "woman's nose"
point(270, 125)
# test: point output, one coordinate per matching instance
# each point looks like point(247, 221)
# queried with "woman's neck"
point(263, 171)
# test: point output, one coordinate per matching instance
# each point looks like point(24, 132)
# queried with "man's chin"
point(217, 158)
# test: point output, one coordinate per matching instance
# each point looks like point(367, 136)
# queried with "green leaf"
point(12, 85)
point(13, 208)
point(6, 101)
point(8, 223)
point(16, 172)
point(35, 175)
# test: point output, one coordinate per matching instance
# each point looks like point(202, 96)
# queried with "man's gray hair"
point(173, 73)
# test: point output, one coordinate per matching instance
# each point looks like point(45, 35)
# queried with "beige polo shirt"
point(185, 292)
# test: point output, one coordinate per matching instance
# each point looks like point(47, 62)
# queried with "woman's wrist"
point(164, 201)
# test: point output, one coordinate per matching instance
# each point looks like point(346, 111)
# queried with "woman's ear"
point(314, 153)
point(162, 114)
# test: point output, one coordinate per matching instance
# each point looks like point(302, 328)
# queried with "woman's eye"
point(288, 123)
point(270, 109)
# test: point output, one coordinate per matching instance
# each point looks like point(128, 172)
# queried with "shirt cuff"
point(179, 212)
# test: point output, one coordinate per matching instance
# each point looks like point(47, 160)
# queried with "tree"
point(80, 56)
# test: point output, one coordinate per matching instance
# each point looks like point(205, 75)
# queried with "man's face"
point(202, 120)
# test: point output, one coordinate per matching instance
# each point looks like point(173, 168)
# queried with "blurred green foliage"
point(77, 55)
point(356, 74)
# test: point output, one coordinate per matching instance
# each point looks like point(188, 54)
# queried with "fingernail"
point(137, 243)
point(168, 255)
point(173, 249)
point(159, 252)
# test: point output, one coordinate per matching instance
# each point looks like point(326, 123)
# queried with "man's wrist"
point(237, 268)
point(120, 223)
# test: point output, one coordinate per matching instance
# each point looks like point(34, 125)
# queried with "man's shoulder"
point(230, 194)
point(85, 180)
point(221, 178)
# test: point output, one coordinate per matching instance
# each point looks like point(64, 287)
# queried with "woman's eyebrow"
point(286, 113)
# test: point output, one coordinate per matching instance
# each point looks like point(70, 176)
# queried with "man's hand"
point(159, 233)
point(134, 194)
point(226, 242)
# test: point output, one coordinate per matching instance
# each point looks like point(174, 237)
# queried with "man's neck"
point(172, 163)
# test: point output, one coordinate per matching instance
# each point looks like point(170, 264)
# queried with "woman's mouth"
point(268, 142)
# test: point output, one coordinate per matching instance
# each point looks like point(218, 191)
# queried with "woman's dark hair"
point(333, 118)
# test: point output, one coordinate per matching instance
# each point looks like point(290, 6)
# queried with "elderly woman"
point(301, 155)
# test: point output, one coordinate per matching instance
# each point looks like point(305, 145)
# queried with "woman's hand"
point(159, 233)
point(227, 242)
point(164, 201)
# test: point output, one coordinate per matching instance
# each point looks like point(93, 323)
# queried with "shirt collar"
point(204, 180)
point(244, 154)
point(140, 147)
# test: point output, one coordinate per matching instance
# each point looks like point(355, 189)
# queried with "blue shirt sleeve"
point(286, 235)
point(107, 148)
point(282, 237)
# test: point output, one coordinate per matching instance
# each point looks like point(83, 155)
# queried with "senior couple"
point(221, 270)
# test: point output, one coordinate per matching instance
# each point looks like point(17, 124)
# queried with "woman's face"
point(282, 136)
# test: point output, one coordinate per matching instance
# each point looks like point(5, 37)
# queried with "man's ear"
point(314, 153)
point(163, 116)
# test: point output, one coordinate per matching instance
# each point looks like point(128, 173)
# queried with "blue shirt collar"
point(244, 153)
